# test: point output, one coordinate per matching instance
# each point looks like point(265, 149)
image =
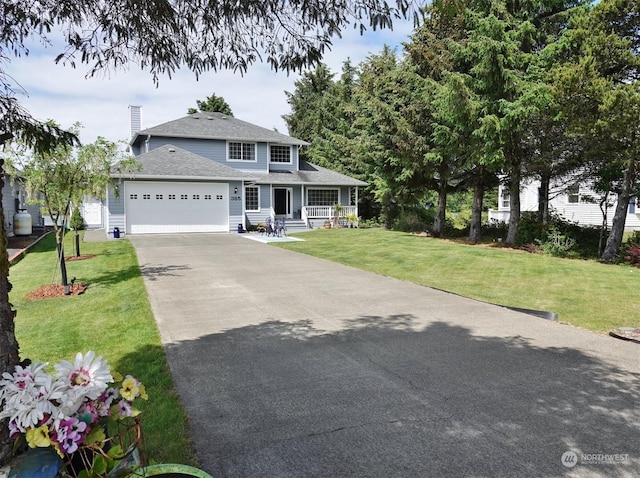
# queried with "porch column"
point(357, 200)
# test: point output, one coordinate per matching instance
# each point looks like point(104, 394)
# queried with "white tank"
point(22, 223)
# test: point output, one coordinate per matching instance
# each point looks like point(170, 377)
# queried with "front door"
point(282, 201)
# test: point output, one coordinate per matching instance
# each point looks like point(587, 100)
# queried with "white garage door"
point(155, 207)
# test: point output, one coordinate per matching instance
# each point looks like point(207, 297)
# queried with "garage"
point(168, 207)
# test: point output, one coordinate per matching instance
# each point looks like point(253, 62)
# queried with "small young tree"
point(62, 177)
point(76, 223)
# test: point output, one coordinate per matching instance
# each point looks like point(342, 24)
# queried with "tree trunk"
point(475, 231)
point(441, 215)
point(605, 223)
point(614, 241)
point(543, 198)
point(63, 265)
point(9, 351)
point(77, 244)
point(514, 204)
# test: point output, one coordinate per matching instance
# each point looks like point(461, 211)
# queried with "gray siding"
point(265, 196)
point(233, 223)
point(215, 150)
point(253, 218)
point(235, 202)
point(262, 153)
point(210, 149)
point(115, 209)
point(296, 205)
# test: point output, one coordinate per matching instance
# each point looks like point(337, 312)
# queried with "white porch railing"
point(327, 212)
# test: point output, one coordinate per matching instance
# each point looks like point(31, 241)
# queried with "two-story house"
point(209, 172)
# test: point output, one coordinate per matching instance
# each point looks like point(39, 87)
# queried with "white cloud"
point(101, 104)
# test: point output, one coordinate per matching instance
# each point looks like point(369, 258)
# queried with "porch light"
point(235, 190)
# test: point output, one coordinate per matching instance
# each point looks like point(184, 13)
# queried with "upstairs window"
point(242, 151)
point(280, 154)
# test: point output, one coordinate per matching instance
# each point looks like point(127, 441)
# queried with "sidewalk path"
point(292, 366)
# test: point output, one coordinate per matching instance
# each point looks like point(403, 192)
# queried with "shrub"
point(585, 238)
point(630, 250)
point(76, 222)
point(557, 244)
point(632, 255)
point(529, 229)
point(495, 230)
point(416, 219)
point(369, 223)
point(409, 222)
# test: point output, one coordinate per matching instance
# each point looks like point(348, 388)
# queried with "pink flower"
point(69, 434)
point(124, 408)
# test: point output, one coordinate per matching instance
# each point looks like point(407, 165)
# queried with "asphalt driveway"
point(291, 366)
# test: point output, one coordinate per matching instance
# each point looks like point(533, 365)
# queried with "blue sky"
point(101, 103)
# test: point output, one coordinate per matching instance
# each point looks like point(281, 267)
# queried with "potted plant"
point(337, 211)
point(352, 219)
point(81, 411)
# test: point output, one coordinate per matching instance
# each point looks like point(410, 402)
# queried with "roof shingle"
point(217, 126)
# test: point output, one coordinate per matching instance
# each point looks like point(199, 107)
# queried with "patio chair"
point(270, 229)
point(281, 227)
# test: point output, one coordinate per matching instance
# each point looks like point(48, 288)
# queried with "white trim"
point(309, 189)
point(244, 198)
point(288, 200)
point(290, 162)
point(255, 152)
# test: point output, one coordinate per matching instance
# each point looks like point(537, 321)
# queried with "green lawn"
point(113, 318)
point(586, 294)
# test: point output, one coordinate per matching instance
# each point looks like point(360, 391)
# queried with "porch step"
point(295, 225)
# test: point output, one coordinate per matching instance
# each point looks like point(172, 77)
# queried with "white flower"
point(88, 377)
point(28, 396)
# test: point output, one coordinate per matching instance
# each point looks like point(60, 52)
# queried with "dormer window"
point(241, 151)
point(280, 154)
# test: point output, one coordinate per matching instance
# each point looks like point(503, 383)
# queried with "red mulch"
point(81, 257)
point(56, 290)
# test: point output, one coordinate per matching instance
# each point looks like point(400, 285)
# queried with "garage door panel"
point(157, 207)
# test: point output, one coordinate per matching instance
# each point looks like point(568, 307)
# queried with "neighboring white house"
point(574, 203)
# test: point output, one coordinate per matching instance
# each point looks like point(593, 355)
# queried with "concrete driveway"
point(291, 366)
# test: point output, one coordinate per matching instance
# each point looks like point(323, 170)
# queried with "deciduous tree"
point(61, 178)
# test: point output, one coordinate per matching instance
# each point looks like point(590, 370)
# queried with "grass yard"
point(586, 294)
point(113, 318)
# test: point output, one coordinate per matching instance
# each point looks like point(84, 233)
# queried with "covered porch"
point(342, 215)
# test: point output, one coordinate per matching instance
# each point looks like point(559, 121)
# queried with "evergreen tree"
point(213, 104)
